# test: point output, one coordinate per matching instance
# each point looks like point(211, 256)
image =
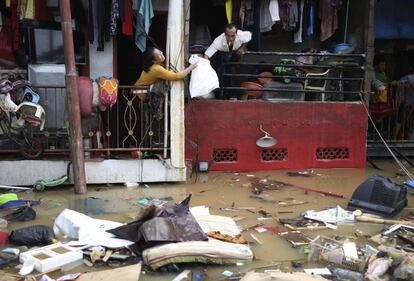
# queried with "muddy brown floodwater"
point(220, 190)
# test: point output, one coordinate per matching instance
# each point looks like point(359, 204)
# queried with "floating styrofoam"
point(52, 257)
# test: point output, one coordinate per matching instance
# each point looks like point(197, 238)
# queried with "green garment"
point(381, 76)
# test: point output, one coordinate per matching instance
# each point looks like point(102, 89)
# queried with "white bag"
point(204, 78)
point(87, 230)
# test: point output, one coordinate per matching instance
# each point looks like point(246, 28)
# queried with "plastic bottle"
point(347, 274)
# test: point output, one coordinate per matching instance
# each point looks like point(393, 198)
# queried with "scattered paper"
point(46, 278)
point(260, 229)
point(318, 271)
point(69, 277)
point(227, 273)
point(264, 219)
point(350, 250)
point(200, 211)
point(334, 215)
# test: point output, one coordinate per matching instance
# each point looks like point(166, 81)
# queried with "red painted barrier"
point(309, 134)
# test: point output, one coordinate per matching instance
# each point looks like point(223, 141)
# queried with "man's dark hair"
point(230, 26)
point(378, 59)
point(148, 59)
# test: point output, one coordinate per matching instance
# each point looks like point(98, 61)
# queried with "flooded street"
point(225, 190)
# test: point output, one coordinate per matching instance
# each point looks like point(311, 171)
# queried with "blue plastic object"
point(34, 96)
point(18, 203)
point(342, 47)
point(197, 277)
point(409, 183)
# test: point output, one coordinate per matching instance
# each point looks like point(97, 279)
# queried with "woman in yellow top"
point(153, 69)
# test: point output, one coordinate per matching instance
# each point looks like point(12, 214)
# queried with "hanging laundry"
point(127, 23)
point(266, 21)
point(328, 14)
point(15, 24)
point(41, 11)
point(236, 12)
point(121, 9)
point(289, 14)
point(297, 38)
point(274, 10)
point(135, 4)
point(229, 10)
point(114, 17)
point(90, 22)
point(246, 14)
point(143, 23)
point(254, 44)
point(249, 14)
point(311, 22)
point(29, 10)
point(22, 6)
point(103, 11)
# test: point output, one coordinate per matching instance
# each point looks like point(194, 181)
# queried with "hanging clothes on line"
point(328, 14)
point(236, 12)
point(15, 24)
point(274, 10)
point(297, 37)
point(90, 22)
point(311, 19)
point(114, 18)
point(103, 14)
point(289, 14)
point(254, 44)
point(246, 14)
point(269, 14)
point(229, 11)
point(127, 22)
point(145, 14)
point(266, 21)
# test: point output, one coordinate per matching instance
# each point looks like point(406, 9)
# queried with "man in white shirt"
point(232, 40)
point(229, 46)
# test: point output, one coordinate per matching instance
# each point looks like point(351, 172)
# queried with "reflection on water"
point(224, 190)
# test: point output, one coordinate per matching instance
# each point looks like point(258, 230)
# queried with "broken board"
point(127, 273)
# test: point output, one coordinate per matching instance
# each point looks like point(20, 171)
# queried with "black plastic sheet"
point(158, 226)
point(36, 235)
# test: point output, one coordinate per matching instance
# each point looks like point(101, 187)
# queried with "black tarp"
point(158, 226)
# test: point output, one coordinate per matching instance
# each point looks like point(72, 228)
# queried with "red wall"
point(228, 130)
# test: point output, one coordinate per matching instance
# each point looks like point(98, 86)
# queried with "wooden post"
point(71, 81)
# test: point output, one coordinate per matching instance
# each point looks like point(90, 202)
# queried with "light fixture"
point(267, 140)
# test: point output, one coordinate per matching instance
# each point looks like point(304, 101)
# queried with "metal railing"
point(338, 77)
point(135, 127)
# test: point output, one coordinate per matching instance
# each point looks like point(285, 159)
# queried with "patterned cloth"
point(114, 18)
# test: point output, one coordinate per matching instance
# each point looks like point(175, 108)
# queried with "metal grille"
point(332, 153)
point(225, 155)
point(274, 154)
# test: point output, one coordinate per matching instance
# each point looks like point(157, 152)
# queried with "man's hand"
point(240, 51)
